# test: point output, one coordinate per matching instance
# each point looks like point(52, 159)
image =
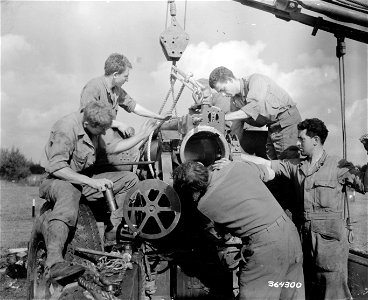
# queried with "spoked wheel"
point(152, 210)
point(85, 236)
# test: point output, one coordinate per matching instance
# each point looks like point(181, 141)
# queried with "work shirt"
point(262, 99)
point(237, 199)
point(98, 90)
point(320, 189)
point(69, 146)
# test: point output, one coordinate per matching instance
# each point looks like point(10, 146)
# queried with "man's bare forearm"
point(144, 112)
point(236, 115)
point(126, 144)
point(71, 176)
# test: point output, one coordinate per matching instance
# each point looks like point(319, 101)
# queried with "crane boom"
point(349, 20)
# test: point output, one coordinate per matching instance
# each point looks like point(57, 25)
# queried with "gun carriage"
point(159, 251)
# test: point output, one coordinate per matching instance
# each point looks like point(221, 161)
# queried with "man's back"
point(97, 89)
point(238, 199)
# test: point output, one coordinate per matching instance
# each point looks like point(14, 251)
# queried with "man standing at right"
point(259, 101)
point(320, 180)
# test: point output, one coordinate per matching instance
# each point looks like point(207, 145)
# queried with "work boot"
point(55, 238)
point(112, 225)
point(65, 272)
point(110, 232)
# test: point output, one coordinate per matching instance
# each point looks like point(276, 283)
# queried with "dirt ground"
point(16, 224)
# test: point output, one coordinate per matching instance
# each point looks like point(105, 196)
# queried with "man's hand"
point(165, 116)
point(100, 184)
point(219, 164)
point(126, 130)
point(364, 140)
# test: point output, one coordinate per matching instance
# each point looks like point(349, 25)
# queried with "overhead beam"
point(318, 23)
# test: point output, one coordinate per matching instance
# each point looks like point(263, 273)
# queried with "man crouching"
point(236, 199)
point(68, 159)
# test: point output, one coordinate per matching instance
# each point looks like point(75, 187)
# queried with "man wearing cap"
point(68, 159)
point(234, 197)
point(259, 101)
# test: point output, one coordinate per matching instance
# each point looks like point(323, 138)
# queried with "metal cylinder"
point(204, 144)
point(110, 200)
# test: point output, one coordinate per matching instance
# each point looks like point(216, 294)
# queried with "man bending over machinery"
point(236, 199)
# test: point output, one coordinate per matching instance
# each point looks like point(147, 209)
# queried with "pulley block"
point(173, 41)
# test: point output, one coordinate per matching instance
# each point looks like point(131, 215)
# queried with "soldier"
point(108, 89)
point(68, 159)
point(238, 202)
point(320, 180)
point(259, 101)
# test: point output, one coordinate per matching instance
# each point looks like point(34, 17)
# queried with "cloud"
point(33, 96)
point(356, 126)
point(11, 44)
point(308, 78)
point(310, 86)
point(313, 59)
point(239, 56)
point(13, 47)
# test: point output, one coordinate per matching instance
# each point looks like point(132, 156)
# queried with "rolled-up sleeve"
point(125, 101)
point(255, 98)
point(58, 151)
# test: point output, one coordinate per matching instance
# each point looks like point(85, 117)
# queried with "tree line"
point(15, 166)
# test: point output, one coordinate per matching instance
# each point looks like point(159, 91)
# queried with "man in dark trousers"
point(238, 202)
point(69, 158)
point(320, 180)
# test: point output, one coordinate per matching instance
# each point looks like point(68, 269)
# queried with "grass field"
point(16, 214)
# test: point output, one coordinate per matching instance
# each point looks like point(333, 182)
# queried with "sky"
point(51, 49)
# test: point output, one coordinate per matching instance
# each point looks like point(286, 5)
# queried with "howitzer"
point(169, 256)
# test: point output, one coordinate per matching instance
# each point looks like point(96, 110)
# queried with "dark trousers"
point(66, 196)
point(272, 264)
point(326, 251)
point(283, 135)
